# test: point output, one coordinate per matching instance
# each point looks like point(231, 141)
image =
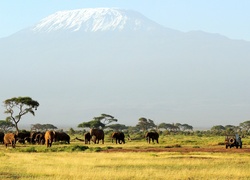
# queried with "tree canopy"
point(146, 124)
point(245, 125)
point(6, 126)
point(42, 127)
point(17, 107)
point(98, 122)
point(117, 127)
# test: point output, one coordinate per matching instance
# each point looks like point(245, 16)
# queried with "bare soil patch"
point(181, 150)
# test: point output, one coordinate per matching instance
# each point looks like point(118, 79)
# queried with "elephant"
point(1, 137)
point(22, 136)
point(153, 136)
point(61, 136)
point(39, 139)
point(49, 137)
point(32, 137)
point(119, 137)
point(97, 135)
point(87, 138)
point(10, 138)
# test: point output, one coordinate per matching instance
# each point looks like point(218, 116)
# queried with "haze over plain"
point(195, 77)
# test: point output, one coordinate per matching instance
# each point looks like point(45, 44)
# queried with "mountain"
point(93, 20)
point(80, 63)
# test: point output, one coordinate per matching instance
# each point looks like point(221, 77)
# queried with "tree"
point(105, 119)
point(117, 127)
point(231, 129)
point(218, 129)
point(37, 127)
point(91, 124)
point(98, 122)
point(163, 126)
point(18, 107)
point(6, 126)
point(145, 124)
point(186, 127)
point(72, 131)
point(49, 126)
point(170, 127)
point(245, 125)
point(42, 127)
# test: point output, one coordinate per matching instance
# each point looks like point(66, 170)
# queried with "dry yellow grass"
point(122, 166)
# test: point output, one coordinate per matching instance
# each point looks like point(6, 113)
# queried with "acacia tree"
point(97, 122)
point(245, 126)
point(186, 127)
point(146, 124)
point(117, 127)
point(105, 119)
point(17, 107)
point(91, 124)
point(170, 127)
point(42, 127)
point(218, 129)
point(6, 126)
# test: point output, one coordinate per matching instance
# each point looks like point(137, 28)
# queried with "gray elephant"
point(22, 136)
point(61, 137)
point(97, 135)
point(119, 137)
point(39, 139)
point(152, 136)
point(1, 137)
point(87, 138)
point(32, 138)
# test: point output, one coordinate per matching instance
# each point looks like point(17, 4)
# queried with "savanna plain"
point(175, 157)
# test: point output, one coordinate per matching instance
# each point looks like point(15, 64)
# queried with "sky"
point(226, 17)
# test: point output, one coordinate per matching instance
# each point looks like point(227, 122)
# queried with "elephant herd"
point(34, 138)
point(48, 137)
point(97, 135)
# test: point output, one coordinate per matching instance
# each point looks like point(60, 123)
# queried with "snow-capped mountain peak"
point(94, 19)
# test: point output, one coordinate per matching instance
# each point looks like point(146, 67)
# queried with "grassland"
point(175, 157)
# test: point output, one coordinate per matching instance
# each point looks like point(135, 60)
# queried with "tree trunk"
point(17, 130)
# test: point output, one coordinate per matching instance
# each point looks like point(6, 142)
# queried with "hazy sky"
point(226, 17)
point(228, 103)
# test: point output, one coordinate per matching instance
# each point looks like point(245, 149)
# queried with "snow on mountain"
point(93, 20)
